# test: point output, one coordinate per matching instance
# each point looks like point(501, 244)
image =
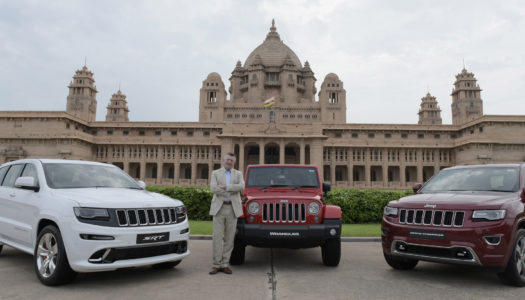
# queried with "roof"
point(273, 52)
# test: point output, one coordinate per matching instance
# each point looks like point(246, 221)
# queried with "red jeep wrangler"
point(470, 215)
point(284, 208)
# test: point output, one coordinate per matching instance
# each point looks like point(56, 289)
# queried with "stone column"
point(281, 152)
point(332, 166)
point(159, 172)
point(367, 167)
point(301, 153)
point(384, 164)
point(350, 173)
point(261, 153)
point(419, 159)
point(241, 157)
point(402, 168)
point(316, 156)
point(176, 166)
point(193, 179)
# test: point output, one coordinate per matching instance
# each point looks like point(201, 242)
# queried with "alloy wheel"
point(47, 255)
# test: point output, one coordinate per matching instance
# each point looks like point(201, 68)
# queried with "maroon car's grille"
point(432, 217)
point(278, 212)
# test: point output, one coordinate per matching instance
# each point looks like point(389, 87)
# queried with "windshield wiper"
point(304, 186)
point(273, 185)
point(496, 190)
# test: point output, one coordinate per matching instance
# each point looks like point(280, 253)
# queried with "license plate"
point(283, 234)
point(427, 234)
point(153, 237)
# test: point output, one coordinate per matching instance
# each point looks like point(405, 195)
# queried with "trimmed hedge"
point(358, 206)
point(362, 206)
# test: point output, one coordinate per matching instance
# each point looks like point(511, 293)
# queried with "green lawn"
point(205, 228)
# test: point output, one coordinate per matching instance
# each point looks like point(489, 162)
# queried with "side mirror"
point(522, 195)
point(27, 183)
point(326, 188)
point(141, 184)
point(416, 187)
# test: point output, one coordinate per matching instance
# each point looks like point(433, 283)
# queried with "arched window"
point(272, 116)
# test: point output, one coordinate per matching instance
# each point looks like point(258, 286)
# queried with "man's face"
point(229, 162)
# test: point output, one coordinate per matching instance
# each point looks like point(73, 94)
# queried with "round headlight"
point(254, 208)
point(314, 208)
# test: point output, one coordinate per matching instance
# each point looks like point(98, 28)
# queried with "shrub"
point(358, 206)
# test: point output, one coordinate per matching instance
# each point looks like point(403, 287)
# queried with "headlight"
point(253, 208)
point(314, 208)
point(91, 213)
point(390, 211)
point(488, 215)
point(181, 210)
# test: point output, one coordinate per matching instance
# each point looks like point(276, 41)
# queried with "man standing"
point(226, 186)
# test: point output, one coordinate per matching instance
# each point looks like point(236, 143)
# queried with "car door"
point(25, 208)
point(7, 207)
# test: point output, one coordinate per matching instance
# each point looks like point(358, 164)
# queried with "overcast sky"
point(387, 53)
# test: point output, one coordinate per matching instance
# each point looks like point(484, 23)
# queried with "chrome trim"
point(155, 211)
point(433, 212)
point(492, 244)
point(474, 261)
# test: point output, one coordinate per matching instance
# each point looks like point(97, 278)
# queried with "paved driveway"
point(297, 274)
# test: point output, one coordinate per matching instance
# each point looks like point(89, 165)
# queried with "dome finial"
point(273, 29)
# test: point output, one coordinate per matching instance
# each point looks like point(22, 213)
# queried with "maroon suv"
point(471, 215)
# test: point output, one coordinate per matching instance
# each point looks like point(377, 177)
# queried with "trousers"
point(224, 227)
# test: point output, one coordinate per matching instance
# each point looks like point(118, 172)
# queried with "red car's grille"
point(432, 217)
point(284, 212)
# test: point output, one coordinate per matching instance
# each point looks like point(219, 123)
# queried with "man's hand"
point(222, 186)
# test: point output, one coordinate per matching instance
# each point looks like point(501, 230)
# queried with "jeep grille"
point(148, 217)
point(446, 218)
point(284, 212)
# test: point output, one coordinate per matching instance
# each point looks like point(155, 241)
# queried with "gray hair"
point(230, 154)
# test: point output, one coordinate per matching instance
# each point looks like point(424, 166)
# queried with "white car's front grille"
point(147, 217)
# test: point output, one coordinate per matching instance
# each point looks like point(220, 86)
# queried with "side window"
point(30, 171)
point(2, 173)
point(11, 175)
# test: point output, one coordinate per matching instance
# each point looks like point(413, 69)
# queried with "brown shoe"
point(227, 270)
point(214, 271)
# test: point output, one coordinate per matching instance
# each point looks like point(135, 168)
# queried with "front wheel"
point(166, 265)
point(237, 256)
point(331, 252)
point(514, 273)
point(400, 263)
point(50, 259)
point(1, 246)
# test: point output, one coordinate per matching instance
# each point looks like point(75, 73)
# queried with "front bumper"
point(287, 236)
point(457, 245)
point(88, 255)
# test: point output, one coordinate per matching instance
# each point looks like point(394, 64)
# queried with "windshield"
point(66, 176)
point(282, 176)
point(500, 179)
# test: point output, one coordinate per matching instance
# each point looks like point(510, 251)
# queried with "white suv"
point(78, 216)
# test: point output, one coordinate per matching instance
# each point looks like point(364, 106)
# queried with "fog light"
point(402, 247)
point(461, 253)
point(96, 237)
point(492, 240)
point(183, 231)
point(251, 219)
point(316, 219)
point(333, 232)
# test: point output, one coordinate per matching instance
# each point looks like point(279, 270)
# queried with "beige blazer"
point(233, 190)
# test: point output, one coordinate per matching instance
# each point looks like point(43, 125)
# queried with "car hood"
point(116, 198)
point(283, 196)
point(455, 200)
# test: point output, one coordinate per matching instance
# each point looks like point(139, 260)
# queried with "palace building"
point(298, 125)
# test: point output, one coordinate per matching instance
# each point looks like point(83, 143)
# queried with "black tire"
point(331, 252)
point(50, 251)
point(1, 247)
point(166, 265)
point(237, 257)
point(400, 263)
point(514, 273)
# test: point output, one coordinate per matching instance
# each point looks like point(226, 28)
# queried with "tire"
point(237, 256)
point(1, 247)
point(331, 252)
point(49, 252)
point(166, 265)
point(514, 273)
point(400, 263)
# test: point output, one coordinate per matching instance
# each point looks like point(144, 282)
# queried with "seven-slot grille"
point(284, 212)
point(147, 216)
point(432, 217)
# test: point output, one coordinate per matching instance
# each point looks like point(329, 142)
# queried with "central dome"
point(272, 52)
